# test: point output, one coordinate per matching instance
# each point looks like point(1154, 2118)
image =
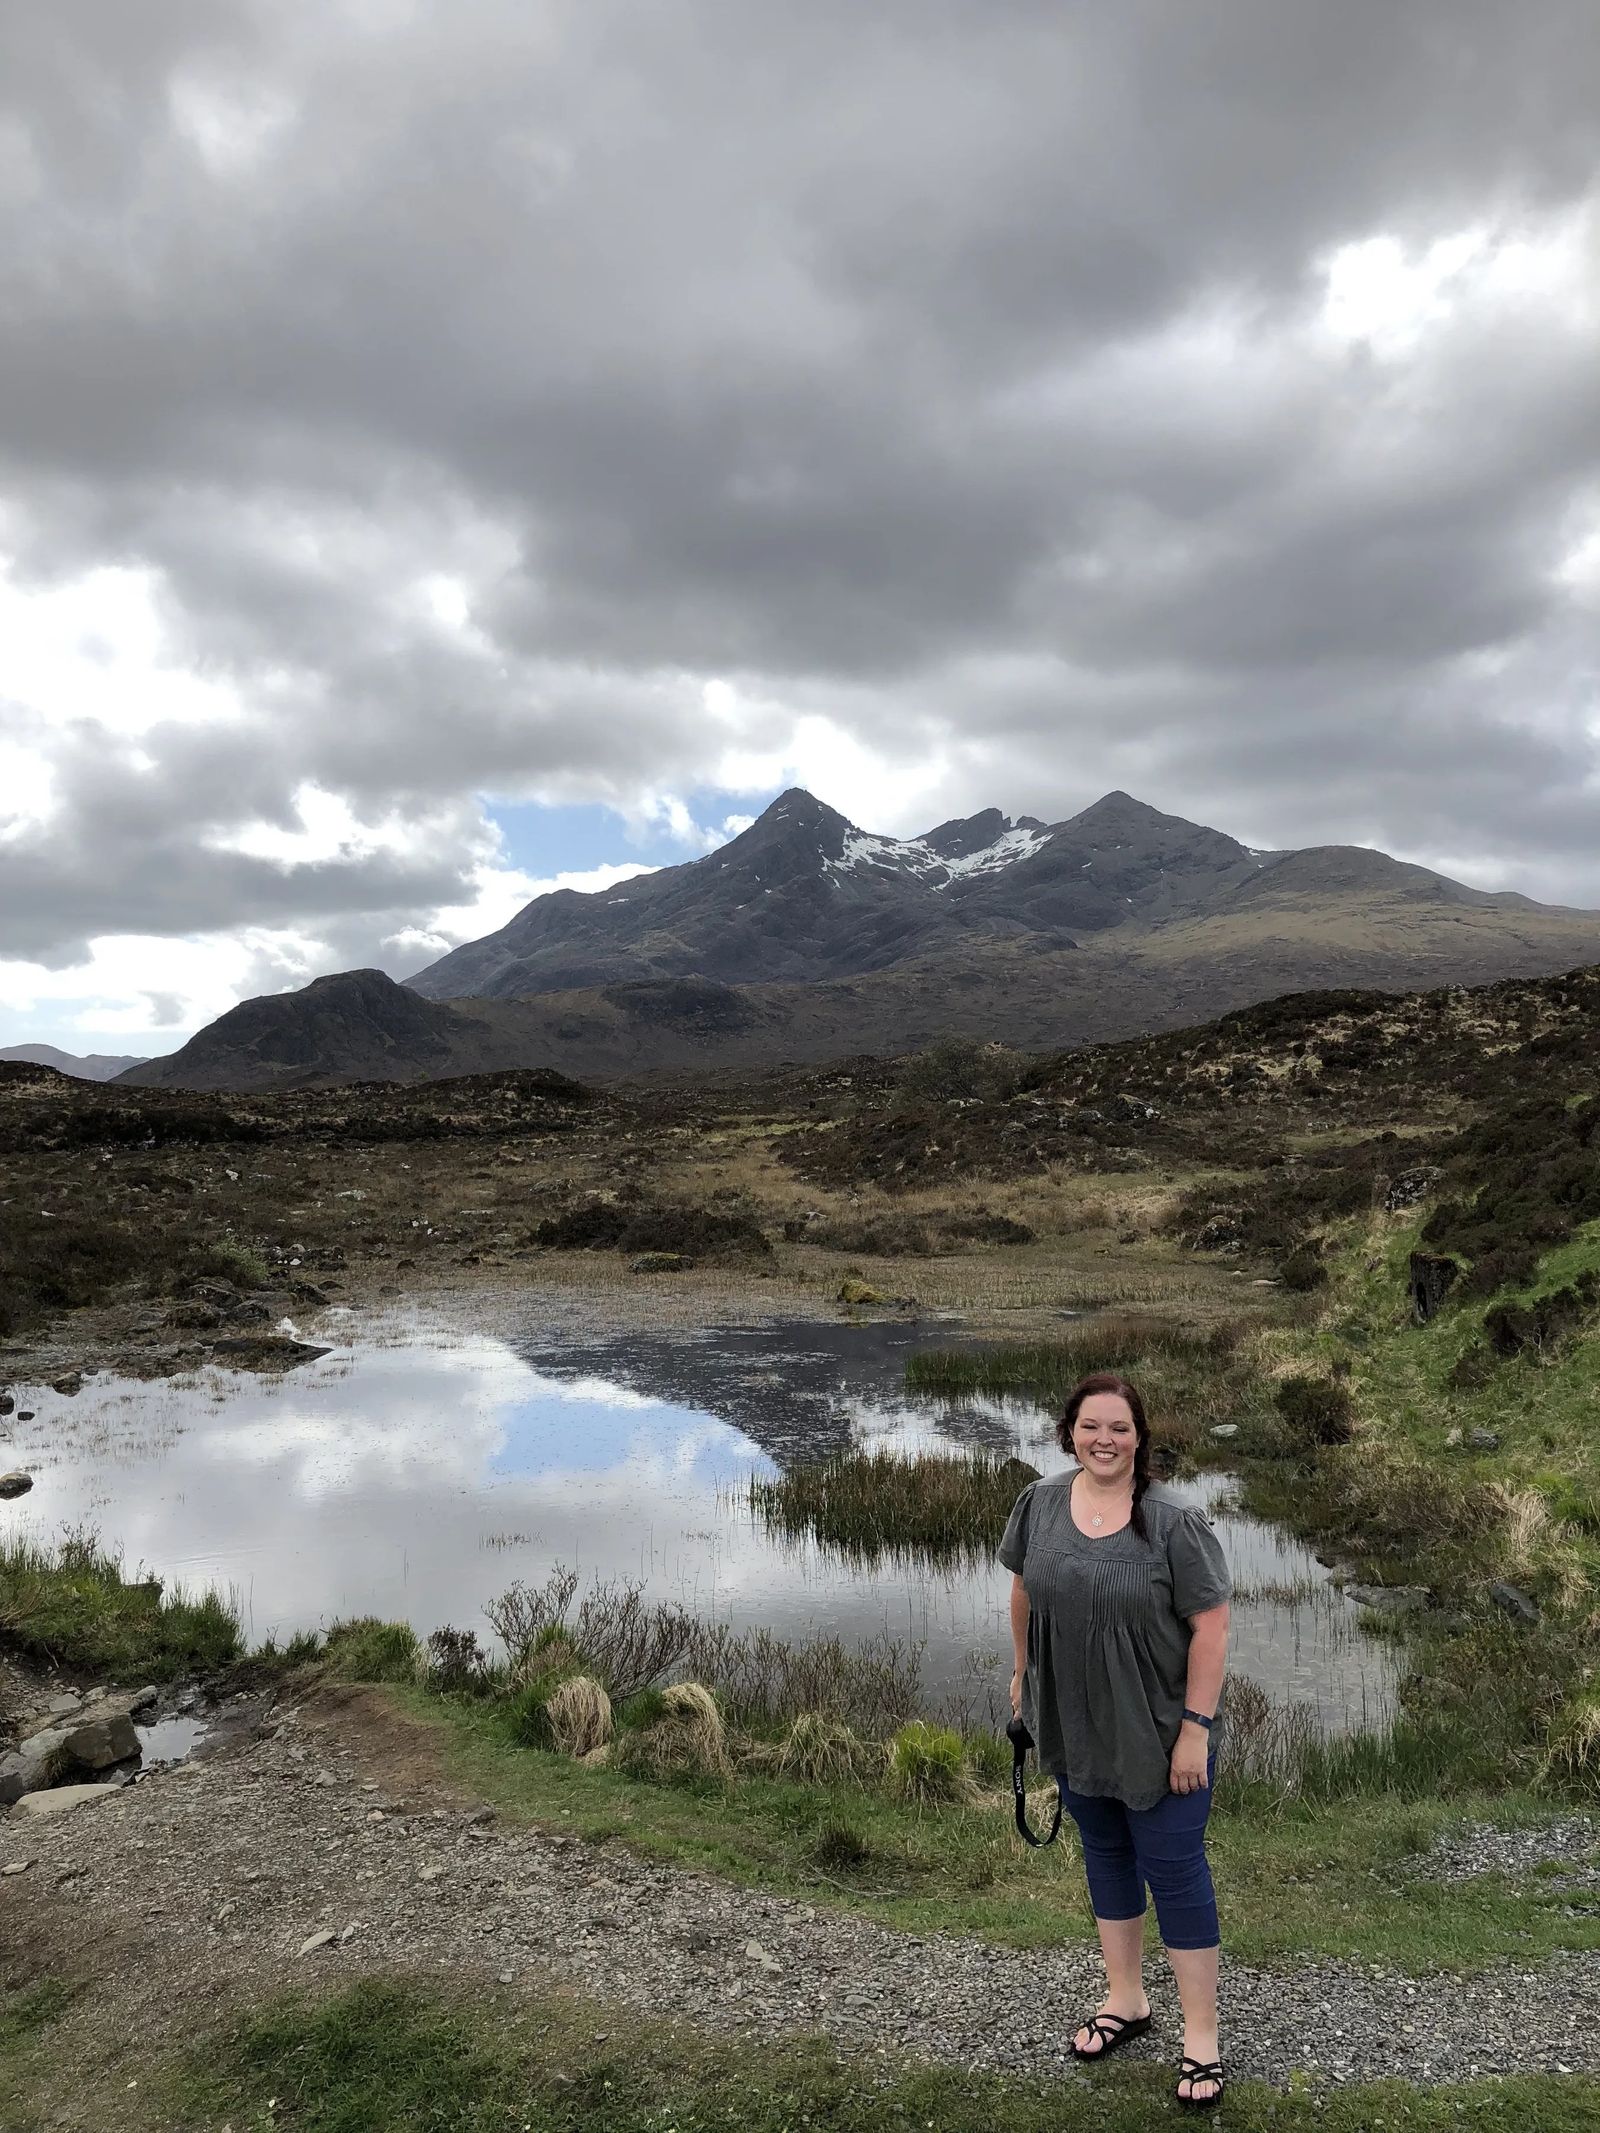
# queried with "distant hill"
point(92, 1066)
point(807, 938)
point(357, 1025)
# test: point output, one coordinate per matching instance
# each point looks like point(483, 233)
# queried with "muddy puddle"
point(415, 1471)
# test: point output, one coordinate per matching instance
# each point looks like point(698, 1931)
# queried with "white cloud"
point(96, 645)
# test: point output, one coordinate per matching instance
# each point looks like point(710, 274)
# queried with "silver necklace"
point(1096, 1518)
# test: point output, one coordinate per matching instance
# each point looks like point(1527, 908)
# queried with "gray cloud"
point(952, 371)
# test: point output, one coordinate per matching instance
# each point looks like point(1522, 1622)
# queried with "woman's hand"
point(1016, 1694)
point(1189, 1760)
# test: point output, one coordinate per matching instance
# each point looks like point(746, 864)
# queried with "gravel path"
point(1564, 1854)
point(208, 1879)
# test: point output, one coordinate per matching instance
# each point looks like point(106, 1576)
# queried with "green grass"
point(368, 1649)
point(25, 2016)
point(395, 2056)
point(1307, 1876)
point(873, 1504)
point(69, 1605)
point(1489, 1702)
point(28, 2016)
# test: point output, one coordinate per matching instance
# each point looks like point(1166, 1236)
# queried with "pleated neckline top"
point(1108, 1635)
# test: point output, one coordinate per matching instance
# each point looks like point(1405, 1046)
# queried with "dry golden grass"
point(579, 1712)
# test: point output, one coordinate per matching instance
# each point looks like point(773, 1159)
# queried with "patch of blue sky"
point(545, 840)
point(569, 1430)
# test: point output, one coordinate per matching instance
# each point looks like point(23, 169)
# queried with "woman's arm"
point(1019, 1642)
point(1208, 1662)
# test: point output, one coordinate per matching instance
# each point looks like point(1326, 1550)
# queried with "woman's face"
point(1104, 1437)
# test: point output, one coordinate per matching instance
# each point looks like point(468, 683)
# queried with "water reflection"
point(416, 1473)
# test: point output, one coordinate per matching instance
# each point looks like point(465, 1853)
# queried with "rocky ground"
point(323, 1841)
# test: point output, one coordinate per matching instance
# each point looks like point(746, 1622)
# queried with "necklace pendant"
point(1097, 1520)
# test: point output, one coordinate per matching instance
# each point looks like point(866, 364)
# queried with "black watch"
point(1198, 1718)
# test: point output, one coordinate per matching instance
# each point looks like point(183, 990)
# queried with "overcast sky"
point(445, 448)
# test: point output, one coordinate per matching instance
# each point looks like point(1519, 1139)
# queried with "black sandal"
point(1113, 2031)
point(1193, 2070)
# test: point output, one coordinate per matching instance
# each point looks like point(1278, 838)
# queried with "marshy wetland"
point(414, 1470)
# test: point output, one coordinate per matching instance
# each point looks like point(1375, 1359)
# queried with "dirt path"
point(199, 1888)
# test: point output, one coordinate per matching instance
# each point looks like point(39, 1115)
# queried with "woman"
point(1119, 1628)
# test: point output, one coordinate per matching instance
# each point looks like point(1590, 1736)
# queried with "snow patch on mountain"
point(911, 855)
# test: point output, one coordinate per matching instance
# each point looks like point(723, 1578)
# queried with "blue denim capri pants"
point(1126, 1850)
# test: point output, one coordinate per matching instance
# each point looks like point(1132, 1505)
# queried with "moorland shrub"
point(1547, 1323)
point(879, 1236)
point(1316, 1409)
point(692, 1232)
point(1303, 1270)
point(455, 1661)
point(961, 1067)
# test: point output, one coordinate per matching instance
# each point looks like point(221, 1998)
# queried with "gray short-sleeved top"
point(1108, 1636)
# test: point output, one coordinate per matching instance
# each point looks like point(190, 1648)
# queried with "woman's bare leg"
point(1196, 1972)
point(1122, 1945)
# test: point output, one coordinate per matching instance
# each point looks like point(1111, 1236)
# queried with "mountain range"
point(89, 1066)
point(808, 938)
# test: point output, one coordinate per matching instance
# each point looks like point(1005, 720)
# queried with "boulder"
point(61, 1799)
point(1409, 1189)
point(1390, 1599)
point(658, 1263)
point(1430, 1278)
point(70, 1385)
point(1512, 1601)
point(126, 1703)
point(264, 1351)
point(102, 1742)
point(1482, 1440)
point(15, 1484)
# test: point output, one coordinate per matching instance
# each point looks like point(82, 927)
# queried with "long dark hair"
point(1108, 1381)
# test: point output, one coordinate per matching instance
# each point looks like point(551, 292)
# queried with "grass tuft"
point(367, 1649)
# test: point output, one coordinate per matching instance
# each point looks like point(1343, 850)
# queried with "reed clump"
point(1191, 1376)
point(873, 1504)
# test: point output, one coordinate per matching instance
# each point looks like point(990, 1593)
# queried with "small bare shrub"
point(525, 1613)
point(454, 1660)
point(1266, 1743)
point(629, 1643)
point(763, 1682)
